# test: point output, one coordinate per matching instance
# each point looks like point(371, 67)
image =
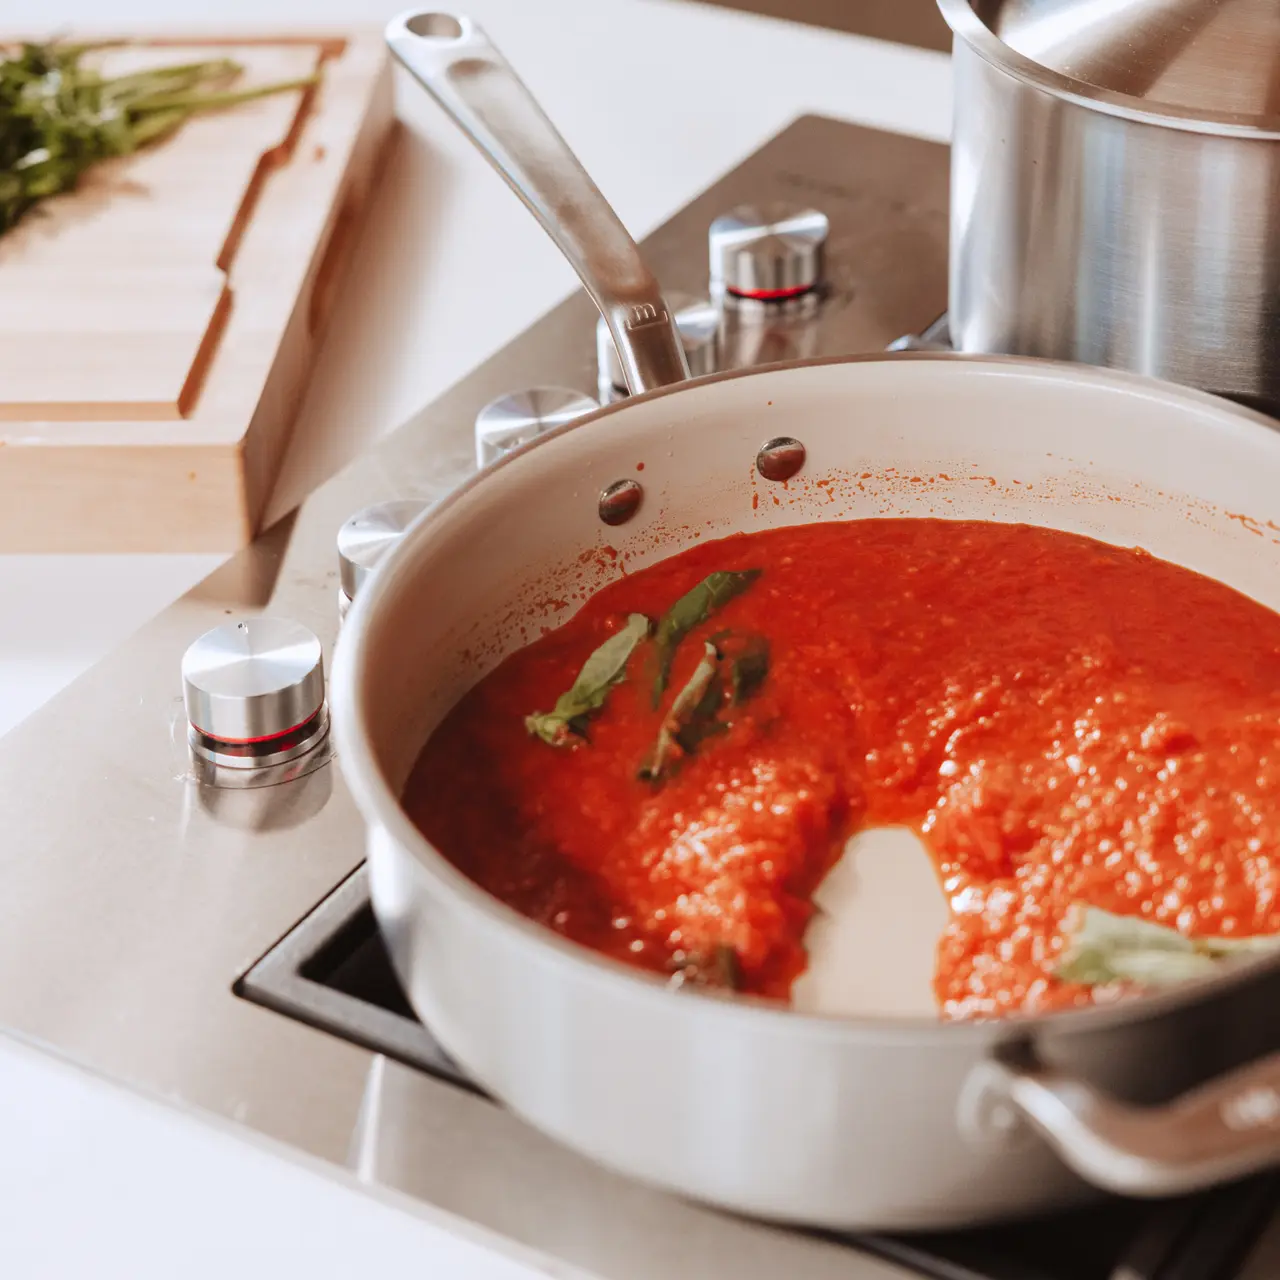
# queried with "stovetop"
point(205, 937)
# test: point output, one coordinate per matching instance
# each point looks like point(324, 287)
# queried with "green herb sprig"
point(731, 669)
point(1103, 947)
point(59, 117)
point(690, 718)
point(566, 722)
point(721, 968)
point(692, 609)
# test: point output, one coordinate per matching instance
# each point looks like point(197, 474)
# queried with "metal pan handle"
point(1215, 1133)
point(453, 60)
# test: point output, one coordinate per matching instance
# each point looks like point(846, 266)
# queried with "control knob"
point(512, 420)
point(763, 255)
point(254, 692)
point(366, 538)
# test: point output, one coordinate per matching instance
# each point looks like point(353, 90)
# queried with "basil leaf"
point(728, 967)
point(722, 968)
point(698, 701)
point(732, 668)
point(601, 671)
point(748, 658)
point(1104, 947)
point(700, 723)
point(694, 607)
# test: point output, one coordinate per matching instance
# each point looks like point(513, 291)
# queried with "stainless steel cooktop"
point(183, 910)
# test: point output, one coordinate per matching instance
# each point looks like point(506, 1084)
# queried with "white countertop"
point(658, 97)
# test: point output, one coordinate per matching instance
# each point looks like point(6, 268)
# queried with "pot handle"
point(1217, 1132)
point(454, 61)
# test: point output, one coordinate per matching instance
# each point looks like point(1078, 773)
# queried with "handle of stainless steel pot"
point(1217, 1132)
point(455, 62)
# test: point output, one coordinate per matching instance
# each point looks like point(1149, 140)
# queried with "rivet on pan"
point(780, 458)
point(620, 501)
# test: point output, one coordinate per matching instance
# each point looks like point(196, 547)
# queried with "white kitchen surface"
point(658, 98)
point(99, 1184)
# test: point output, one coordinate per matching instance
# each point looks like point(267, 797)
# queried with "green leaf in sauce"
point(721, 967)
point(693, 608)
point(702, 722)
point(684, 725)
point(1103, 947)
point(748, 659)
point(601, 671)
point(733, 667)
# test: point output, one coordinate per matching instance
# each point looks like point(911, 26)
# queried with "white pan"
point(887, 1120)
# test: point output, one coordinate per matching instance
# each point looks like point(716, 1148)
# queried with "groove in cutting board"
point(204, 353)
point(270, 159)
point(128, 347)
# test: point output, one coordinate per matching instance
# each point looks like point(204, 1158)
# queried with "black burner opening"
point(354, 960)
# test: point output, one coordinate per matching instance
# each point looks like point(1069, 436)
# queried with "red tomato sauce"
point(1061, 720)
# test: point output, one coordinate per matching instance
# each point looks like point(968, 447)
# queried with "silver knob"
point(254, 692)
point(763, 254)
point(698, 323)
point(512, 420)
point(368, 536)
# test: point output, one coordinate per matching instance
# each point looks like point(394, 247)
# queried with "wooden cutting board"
point(157, 325)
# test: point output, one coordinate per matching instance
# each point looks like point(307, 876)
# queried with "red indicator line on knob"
point(270, 737)
point(771, 295)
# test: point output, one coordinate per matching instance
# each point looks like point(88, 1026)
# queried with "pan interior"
point(1187, 477)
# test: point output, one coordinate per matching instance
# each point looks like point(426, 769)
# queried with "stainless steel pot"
point(849, 1123)
point(1116, 186)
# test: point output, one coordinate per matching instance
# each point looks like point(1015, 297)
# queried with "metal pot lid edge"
point(965, 24)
